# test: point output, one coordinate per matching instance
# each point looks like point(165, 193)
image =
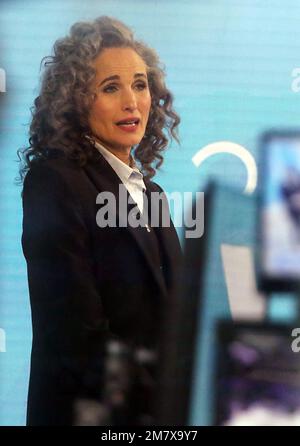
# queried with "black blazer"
point(87, 284)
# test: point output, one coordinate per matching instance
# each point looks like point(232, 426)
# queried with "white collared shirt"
point(131, 177)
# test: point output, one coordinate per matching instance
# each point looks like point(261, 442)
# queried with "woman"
point(101, 113)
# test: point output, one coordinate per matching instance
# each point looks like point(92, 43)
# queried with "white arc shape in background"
point(234, 149)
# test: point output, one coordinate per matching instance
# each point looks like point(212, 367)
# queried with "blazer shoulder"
point(60, 166)
point(54, 175)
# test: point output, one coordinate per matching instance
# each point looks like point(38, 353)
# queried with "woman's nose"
point(129, 101)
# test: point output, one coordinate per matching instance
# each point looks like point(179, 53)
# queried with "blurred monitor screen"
point(257, 376)
point(280, 210)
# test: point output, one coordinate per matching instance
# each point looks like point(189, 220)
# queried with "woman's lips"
point(129, 127)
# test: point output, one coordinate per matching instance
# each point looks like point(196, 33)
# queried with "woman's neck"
point(124, 155)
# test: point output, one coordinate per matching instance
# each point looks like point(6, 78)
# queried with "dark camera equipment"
point(127, 389)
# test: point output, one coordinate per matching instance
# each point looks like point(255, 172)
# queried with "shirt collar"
point(122, 169)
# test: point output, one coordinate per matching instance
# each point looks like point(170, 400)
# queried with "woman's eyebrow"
point(116, 77)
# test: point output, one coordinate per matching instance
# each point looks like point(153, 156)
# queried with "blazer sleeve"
point(68, 319)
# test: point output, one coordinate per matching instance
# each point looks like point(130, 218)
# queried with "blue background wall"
point(229, 64)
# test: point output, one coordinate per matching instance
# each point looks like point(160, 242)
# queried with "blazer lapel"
point(105, 179)
point(167, 235)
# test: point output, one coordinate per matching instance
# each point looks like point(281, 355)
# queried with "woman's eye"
point(141, 86)
point(109, 89)
point(112, 88)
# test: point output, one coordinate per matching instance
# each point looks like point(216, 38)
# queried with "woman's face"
point(120, 112)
